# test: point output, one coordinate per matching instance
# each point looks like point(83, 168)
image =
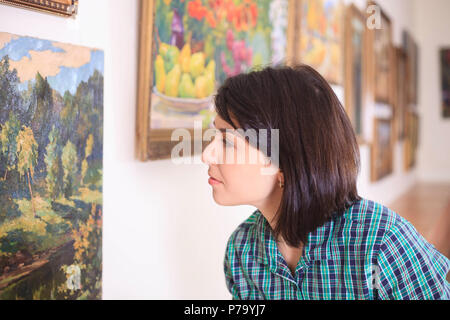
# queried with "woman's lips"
point(213, 181)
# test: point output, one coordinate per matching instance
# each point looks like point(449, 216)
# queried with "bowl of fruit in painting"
point(184, 81)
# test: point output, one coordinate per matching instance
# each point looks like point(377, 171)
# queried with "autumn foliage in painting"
point(50, 188)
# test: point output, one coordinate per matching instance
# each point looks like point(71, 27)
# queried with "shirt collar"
point(316, 247)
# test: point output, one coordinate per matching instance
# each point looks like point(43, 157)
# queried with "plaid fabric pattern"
point(368, 252)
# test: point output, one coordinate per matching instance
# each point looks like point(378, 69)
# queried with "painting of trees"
point(51, 154)
point(69, 162)
point(27, 157)
point(8, 134)
point(53, 165)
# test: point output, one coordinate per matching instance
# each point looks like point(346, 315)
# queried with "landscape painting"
point(51, 155)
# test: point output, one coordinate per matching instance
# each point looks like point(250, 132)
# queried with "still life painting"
point(51, 154)
point(195, 46)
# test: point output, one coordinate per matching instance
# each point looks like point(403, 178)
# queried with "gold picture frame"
point(355, 68)
point(65, 8)
point(382, 149)
point(155, 143)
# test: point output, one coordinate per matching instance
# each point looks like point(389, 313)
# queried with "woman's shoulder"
point(374, 216)
point(376, 225)
point(401, 247)
point(362, 226)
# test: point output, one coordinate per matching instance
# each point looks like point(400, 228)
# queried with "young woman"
point(312, 236)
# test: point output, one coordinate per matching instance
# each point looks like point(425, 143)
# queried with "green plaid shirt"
point(369, 252)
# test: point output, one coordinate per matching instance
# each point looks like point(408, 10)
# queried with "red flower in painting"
point(196, 9)
point(237, 19)
point(242, 16)
point(254, 13)
point(229, 8)
point(211, 20)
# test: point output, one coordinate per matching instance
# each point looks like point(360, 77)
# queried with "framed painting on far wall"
point(66, 8)
point(445, 81)
point(321, 31)
point(415, 135)
point(412, 53)
point(187, 49)
point(355, 64)
point(381, 59)
point(382, 147)
point(400, 96)
point(411, 139)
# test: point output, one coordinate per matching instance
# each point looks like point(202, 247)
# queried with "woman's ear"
point(281, 177)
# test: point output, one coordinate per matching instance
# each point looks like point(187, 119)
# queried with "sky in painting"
point(64, 65)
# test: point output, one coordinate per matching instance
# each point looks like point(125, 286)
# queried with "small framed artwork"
point(411, 140)
point(400, 94)
point(412, 53)
point(320, 27)
point(187, 49)
point(66, 8)
point(381, 153)
point(355, 64)
point(415, 135)
point(381, 58)
point(445, 81)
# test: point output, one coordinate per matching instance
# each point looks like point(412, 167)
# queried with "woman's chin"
point(220, 201)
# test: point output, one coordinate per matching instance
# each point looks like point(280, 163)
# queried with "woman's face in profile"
point(237, 167)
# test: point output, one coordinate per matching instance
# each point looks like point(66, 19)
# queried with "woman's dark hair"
point(318, 151)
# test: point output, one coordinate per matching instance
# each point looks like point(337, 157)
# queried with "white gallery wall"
point(164, 237)
point(433, 28)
